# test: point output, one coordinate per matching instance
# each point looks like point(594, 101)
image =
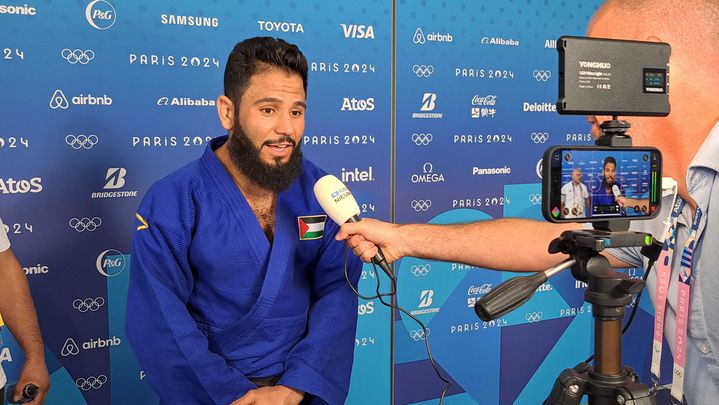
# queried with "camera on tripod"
point(607, 185)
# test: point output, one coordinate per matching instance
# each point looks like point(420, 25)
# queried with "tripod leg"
point(569, 387)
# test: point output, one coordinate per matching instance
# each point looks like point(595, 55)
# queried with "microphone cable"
point(393, 292)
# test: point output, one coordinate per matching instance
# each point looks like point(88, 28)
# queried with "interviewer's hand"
point(364, 237)
point(34, 372)
point(277, 395)
point(621, 200)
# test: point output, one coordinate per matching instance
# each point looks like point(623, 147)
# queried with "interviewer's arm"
point(510, 244)
point(18, 312)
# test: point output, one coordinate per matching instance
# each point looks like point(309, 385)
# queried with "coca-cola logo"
point(484, 100)
point(479, 290)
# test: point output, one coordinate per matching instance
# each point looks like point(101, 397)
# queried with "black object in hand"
point(29, 392)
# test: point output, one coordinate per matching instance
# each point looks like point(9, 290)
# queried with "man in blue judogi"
point(238, 290)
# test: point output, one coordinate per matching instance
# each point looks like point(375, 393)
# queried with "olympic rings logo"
point(421, 139)
point(81, 141)
point(421, 205)
point(532, 317)
point(91, 382)
point(418, 334)
point(85, 224)
point(539, 137)
point(423, 70)
point(88, 304)
point(77, 56)
point(535, 199)
point(541, 75)
point(421, 270)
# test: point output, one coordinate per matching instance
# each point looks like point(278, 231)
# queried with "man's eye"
point(267, 110)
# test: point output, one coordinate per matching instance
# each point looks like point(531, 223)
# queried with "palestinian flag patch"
point(311, 226)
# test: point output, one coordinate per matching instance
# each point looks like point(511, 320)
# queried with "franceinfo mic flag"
point(339, 203)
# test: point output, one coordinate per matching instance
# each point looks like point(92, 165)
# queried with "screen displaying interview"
point(604, 183)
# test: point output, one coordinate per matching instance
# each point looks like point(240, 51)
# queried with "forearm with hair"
point(510, 244)
point(17, 308)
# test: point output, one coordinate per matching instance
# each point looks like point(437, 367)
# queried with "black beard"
point(275, 177)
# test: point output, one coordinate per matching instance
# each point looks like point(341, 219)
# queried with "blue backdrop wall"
point(430, 111)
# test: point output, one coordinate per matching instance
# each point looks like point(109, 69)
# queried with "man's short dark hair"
point(257, 55)
point(611, 160)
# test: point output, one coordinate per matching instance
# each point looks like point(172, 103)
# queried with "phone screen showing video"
point(601, 184)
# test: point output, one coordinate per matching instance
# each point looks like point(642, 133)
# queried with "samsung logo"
point(189, 20)
point(595, 65)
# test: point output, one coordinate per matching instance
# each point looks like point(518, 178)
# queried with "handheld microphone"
point(29, 392)
point(616, 192)
point(340, 205)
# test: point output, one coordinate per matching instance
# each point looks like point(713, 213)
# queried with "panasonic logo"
point(18, 10)
point(189, 20)
point(595, 65)
point(478, 171)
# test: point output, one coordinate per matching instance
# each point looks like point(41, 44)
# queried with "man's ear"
point(226, 112)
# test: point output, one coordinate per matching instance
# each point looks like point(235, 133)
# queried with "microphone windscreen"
point(336, 199)
point(615, 190)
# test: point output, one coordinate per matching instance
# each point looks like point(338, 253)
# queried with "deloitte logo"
point(58, 100)
point(100, 14)
point(110, 263)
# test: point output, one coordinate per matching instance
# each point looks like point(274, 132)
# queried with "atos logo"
point(353, 104)
point(358, 31)
point(100, 14)
point(365, 309)
point(22, 186)
point(111, 263)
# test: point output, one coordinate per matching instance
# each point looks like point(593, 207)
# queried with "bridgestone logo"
point(595, 65)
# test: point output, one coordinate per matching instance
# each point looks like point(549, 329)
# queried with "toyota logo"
point(421, 139)
point(423, 70)
point(77, 56)
point(541, 75)
point(418, 334)
point(420, 270)
point(85, 224)
point(81, 141)
point(532, 317)
point(421, 205)
point(535, 198)
point(91, 382)
point(88, 304)
point(539, 137)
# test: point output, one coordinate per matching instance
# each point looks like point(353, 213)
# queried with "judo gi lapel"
point(274, 259)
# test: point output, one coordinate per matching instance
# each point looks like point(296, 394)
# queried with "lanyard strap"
point(683, 298)
point(664, 271)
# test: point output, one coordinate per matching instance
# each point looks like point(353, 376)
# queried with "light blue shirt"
point(701, 380)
